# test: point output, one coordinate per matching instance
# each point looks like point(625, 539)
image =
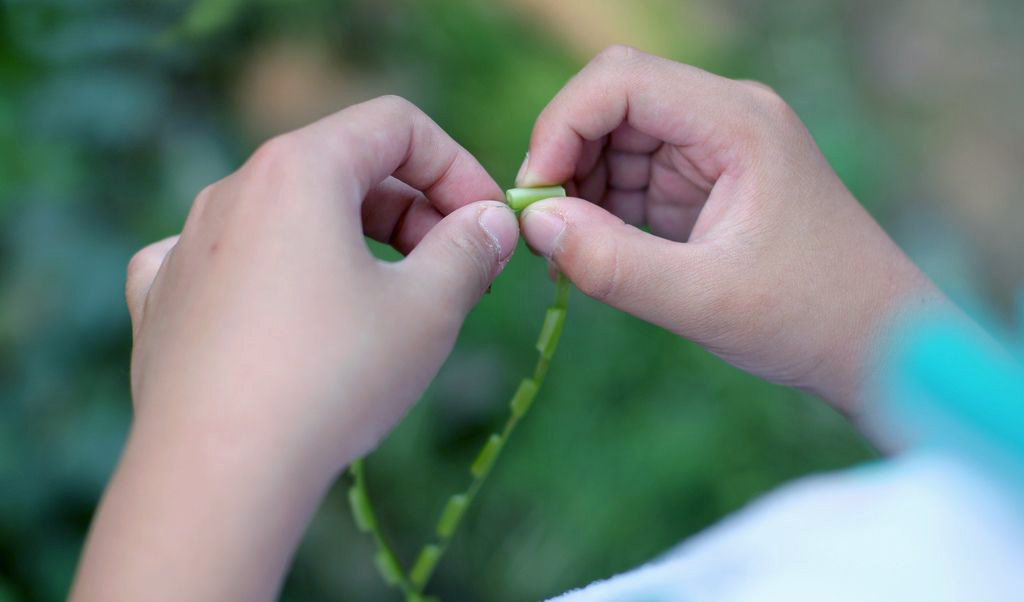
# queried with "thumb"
point(655, 279)
point(462, 254)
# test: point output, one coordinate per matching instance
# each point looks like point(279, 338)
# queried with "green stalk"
point(366, 521)
point(412, 583)
point(519, 404)
point(519, 198)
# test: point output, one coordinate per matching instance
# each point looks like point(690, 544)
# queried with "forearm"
point(203, 514)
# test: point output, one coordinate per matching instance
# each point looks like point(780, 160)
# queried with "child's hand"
point(269, 314)
point(271, 348)
point(757, 249)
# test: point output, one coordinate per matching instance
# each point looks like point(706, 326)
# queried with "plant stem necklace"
point(413, 582)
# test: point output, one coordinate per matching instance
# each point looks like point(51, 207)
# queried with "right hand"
point(757, 250)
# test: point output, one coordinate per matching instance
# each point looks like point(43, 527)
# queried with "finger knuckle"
point(768, 117)
point(395, 104)
point(755, 85)
point(204, 199)
point(272, 179)
point(771, 102)
point(768, 106)
point(276, 156)
point(619, 54)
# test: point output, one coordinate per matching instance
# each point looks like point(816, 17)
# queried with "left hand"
point(271, 348)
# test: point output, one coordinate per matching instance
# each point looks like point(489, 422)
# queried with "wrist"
point(219, 510)
point(847, 378)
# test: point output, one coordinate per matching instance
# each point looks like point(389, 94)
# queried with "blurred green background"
point(114, 114)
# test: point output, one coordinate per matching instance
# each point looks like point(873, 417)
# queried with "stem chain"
point(411, 584)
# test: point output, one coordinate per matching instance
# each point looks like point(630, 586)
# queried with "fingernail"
point(543, 230)
point(522, 169)
point(500, 224)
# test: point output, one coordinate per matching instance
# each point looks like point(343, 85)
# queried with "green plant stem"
point(366, 521)
point(519, 404)
point(519, 198)
point(412, 583)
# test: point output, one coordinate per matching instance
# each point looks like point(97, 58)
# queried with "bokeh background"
point(114, 114)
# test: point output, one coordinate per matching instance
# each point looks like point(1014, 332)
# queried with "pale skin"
point(756, 249)
point(271, 349)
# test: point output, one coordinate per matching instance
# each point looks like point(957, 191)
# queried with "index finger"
point(389, 136)
point(672, 102)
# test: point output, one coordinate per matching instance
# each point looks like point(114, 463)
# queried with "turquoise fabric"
point(949, 385)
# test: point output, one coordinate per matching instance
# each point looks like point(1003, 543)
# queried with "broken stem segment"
point(519, 198)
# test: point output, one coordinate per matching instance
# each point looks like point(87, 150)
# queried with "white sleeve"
point(925, 526)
